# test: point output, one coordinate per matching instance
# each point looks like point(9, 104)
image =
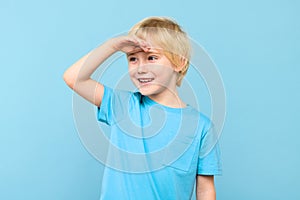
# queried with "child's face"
point(152, 72)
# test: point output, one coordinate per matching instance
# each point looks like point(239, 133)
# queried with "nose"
point(142, 69)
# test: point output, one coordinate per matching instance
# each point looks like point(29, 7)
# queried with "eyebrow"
point(148, 52)
point(131, 53)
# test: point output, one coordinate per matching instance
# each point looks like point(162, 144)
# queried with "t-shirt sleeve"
point(113, 106)
point(103, 111)
point(209, 160)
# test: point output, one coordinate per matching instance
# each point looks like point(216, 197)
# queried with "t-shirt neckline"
point(151, 102)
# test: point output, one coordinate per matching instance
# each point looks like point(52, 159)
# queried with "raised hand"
point(129, 44)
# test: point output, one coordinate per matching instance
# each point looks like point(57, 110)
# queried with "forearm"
point(205, 188)
point(87, 65)
point(94, 59)
point(206, 195)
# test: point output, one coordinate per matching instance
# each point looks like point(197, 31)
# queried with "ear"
point(181, 64)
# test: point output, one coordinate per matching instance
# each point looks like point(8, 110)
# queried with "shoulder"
point(204, 122)
point(203, 117)
point(117, 105)
point(121, 95)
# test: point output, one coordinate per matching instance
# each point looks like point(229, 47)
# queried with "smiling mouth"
point(145, 80)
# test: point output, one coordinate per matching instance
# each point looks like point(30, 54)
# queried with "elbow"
point(69, 79)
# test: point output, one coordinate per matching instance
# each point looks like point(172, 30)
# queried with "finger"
point(146, 48)
point(135, 50)
point(144, 45)
point(139, 41)
point(135, 40)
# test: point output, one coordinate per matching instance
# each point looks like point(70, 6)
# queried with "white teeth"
point(145, 80)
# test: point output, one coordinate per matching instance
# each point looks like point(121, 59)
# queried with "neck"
point(168, 98)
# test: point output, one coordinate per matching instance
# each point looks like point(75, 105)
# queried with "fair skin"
point(205, 188)
point(151, 72)
point(154, 75)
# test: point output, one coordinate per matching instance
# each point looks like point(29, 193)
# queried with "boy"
point(168, 144)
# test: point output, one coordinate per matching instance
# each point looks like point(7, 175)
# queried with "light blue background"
point(255, 45)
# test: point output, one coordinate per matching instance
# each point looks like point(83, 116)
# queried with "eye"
point(132, 59)
point(152, 58)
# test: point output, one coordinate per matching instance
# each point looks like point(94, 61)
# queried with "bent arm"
point(78, 76)
point(205, 188)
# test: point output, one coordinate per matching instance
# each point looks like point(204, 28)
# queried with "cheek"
point(164, 72)
point(131, 71)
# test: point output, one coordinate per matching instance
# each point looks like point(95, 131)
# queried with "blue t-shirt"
point(155, 151)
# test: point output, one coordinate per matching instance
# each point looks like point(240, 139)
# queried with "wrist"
point(112, 45)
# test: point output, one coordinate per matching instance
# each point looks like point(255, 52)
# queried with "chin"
point(146, 92)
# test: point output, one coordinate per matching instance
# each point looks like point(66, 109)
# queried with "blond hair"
point(169, 36)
